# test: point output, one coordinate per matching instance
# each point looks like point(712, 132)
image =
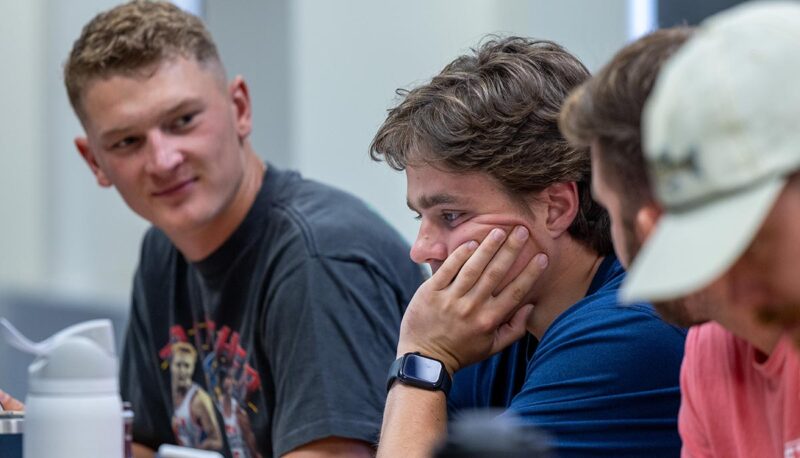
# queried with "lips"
point(173, 188)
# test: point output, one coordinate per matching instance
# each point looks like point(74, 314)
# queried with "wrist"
point(450, 364)
point(421, 371)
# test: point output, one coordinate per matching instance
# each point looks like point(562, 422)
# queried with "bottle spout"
point(100, 331)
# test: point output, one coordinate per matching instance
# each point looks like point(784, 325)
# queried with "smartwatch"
point(419, 371)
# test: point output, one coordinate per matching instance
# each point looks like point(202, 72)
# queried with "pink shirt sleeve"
point(690, 426)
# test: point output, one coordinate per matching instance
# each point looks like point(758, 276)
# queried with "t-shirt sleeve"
point(140, 380)
point(605, 382)
point(332, 330)
point(690, 425)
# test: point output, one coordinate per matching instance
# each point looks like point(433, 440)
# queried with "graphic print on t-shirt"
point(792, 449)
point(231, 379)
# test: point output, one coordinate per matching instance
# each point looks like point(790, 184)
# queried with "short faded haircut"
point(495, 111)
point(607, 109)
point(131, 39)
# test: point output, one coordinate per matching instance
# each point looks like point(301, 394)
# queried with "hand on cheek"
point(529, 249)
point(462, 315)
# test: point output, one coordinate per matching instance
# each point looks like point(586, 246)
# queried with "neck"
point(742, 325)
point(178, 393)
point(765, 343)
point(200, 243)
point(571, 270)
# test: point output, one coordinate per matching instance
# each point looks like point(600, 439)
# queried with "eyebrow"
point(426, 202)
point(172, 111)
point(106, 137)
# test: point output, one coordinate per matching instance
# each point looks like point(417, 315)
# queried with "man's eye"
point(450, 217)
point(125, 143)
point(417, 216)
point(183, 121)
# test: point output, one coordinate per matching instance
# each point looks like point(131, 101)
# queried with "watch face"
point(422, 368)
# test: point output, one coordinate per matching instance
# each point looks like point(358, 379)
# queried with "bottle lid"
point(77, 360)
point(77, 365)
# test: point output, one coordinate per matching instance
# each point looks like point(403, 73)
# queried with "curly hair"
point(130, 39)
point(495, 111)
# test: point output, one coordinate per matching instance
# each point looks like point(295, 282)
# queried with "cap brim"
point(690, 249)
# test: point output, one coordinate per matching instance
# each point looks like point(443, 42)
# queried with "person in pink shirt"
point(738, 401)
point(739, 381)
point(722, 145)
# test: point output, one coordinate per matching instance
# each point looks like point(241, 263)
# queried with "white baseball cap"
point(721, 134)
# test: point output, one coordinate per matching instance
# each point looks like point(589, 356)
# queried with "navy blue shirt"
point(603, 381)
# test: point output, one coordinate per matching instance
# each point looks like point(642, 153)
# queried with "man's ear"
point(240, 97)
point(646, 220)
point(86, 153)
point(562, 206)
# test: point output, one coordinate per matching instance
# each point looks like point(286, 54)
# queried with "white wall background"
point(321, 74)
point(22, 140)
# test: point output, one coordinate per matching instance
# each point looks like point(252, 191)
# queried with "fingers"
point(9, 403)
point(452, 265)
point(500, 264)
point(473, 269)
point(512, 330)
point(514, 293)
point(505, 313)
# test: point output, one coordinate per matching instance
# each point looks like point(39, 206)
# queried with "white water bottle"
point(73, 408)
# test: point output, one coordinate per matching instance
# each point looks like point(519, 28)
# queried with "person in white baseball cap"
point(722, 143)
point(734, 368)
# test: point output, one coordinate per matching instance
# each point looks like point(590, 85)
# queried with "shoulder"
point(711, 338)
point(200, 397)
point(711, 349)
point(601, 313)
point(156, 243)
point(315, 220)
point(598, 323)
point(158, 257)
point(600, 316)
point(601, 339)
point(332, 222)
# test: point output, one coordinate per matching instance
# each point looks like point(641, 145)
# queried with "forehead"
point(426, 182)
point(182, 356)
point(120, 96)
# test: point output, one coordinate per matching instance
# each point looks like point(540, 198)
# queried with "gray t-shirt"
point(287, 329)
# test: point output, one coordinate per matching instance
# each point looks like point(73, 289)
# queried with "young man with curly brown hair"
point(531, 325)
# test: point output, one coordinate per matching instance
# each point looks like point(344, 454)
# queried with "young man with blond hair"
point(193, 419)
point(295, 285)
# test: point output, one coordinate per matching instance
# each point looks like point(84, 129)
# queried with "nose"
point(163, 155)
point(429, 247)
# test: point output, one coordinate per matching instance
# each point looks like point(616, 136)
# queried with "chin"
point(182, 220)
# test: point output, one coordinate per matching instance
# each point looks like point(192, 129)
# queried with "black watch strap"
point(420, 371)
